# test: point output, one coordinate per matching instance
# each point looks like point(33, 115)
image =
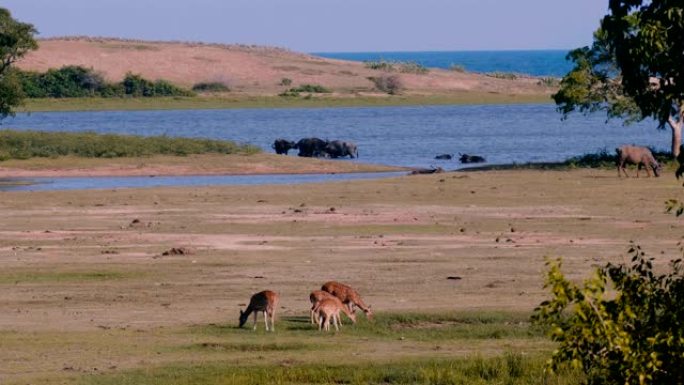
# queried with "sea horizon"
point(548, 62)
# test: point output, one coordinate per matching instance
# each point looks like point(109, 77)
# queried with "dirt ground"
point(253, 70)
point(83, 262)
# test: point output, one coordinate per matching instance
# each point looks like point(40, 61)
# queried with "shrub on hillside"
point(400, 66)
point(313, 88)
point(76, 81)
point(502, 75)
point(137, 86)
point(457, 68)
point(66, 82)
point(310, 88)
point(390, 84)
point(210, 87)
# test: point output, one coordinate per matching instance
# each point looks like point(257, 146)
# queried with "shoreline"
point(265, 102)
point(193, 165)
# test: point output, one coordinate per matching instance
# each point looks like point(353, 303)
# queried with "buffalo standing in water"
point(465, 158)
point(340, 149)
point(282, 146)
point(311, 147)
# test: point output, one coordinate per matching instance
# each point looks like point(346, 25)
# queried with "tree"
point(16, 39)
point(633, 69)
point(630, 333)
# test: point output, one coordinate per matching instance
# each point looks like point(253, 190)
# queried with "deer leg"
point(336, 321)
point(273, 320)
point(255, 319)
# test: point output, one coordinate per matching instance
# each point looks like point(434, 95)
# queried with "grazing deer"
point(315, 297)
point(266, 302)
point(348, 296)
point(329, 308)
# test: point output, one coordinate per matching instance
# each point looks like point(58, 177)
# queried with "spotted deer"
point(266, 302)
point(348, 296)
point(315, 297)
point(329, 309)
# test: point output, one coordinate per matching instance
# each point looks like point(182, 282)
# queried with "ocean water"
point(537, 63)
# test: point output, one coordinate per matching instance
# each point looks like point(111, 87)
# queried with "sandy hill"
point(249, 69)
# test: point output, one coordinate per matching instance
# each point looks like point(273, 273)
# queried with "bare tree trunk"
point(676, 126)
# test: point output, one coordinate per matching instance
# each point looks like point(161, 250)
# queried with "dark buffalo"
point(282, 146)
point(465, 158)
point(444, 157)
point(311, 147)
point(340, 149)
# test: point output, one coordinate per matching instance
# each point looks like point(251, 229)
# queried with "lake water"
point(83, 183)
point(402, 136)
point(537, 63)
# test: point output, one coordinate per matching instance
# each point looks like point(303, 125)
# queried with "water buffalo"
point(465, 158)
point(310, 147)
point(444, 157)
point(340, 149)
point(282, 146)
point(639, 156)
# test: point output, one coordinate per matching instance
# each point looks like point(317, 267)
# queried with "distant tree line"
point(76, 82)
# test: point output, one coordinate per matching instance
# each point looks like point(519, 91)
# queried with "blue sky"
point(326, 25)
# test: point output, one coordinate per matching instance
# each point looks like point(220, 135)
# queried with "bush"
point(66, 82)
point(381, 65)
point(137, 86)
point(310, 88)
point(410, 67)
point(401, 66)
point(285, 82)
point(390, 84)
point(549, 82)
point(313, 88)
point(634, 336)
point(457, 68)
point(210, 87)
point(77, 82)
point(503, 75)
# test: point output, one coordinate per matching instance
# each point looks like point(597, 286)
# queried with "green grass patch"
point(510, 368)
point(250, 347)
point(29, 144)
point(242, 101)
point(66, 276)
point(412, 326)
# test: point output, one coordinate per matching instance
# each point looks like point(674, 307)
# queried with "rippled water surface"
point(405, 136)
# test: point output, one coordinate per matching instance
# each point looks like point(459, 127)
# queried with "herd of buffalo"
point(315, 147)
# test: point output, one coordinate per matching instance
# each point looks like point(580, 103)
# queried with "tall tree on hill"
point(16, 39)
point(634, 68)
